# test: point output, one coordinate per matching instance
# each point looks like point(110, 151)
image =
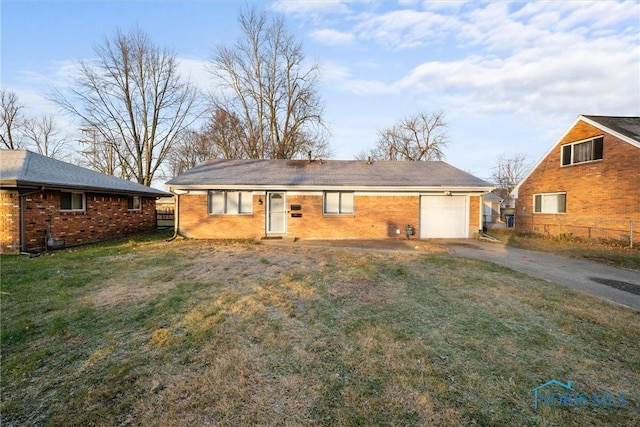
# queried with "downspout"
point(22, 226)
point(176, 218)
point(481, 213)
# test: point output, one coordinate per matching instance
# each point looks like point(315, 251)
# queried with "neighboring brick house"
point(588, 184)
point(47, 203)
point(332, 199)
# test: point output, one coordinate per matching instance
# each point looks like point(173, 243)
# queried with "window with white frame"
point(230, 202)
point(338, 202)
point(134, 203)
point(582, 151)
point(550, 203)
point(70, 201)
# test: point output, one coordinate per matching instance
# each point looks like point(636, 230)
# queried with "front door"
point(276, 213)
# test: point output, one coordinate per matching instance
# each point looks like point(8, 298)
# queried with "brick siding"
point(603, 196)
point(374, 217)
point(9, 221)
point(106, 216)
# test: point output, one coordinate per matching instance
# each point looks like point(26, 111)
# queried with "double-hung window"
point(70, 201)
point(230, 202)
point(338, 202)
point(550, 203)
point(582, 151)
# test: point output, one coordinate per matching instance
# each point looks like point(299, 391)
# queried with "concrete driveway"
point(616, 284)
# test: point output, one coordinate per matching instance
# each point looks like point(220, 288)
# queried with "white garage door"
point(444, 217)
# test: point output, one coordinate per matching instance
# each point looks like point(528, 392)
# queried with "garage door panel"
point(444, 217)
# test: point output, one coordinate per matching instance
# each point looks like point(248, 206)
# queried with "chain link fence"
point(624, 230)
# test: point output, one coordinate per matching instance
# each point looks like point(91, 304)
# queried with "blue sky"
point(510, 77)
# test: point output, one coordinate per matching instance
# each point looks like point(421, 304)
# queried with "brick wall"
point(475, 215)
point(375, 217)
point(106, 216)
point(9, 221)
point(602, 196)
point(194, 220)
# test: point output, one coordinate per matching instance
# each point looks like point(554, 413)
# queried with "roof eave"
point(175, 189)
point(83, 188)
point(610, 131)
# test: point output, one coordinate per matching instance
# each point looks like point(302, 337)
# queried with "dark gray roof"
point(490, 197)
point(324, 174)
point(20, 168)
point(627, 126)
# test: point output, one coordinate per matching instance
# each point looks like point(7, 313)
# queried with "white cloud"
point(332, 37)
point(310, 6)
point(537, 58)
point(403, 29)
point(196, 70)
point(600, 75)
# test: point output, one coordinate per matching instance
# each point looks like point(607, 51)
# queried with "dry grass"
point(613, 252)
point(234, 333)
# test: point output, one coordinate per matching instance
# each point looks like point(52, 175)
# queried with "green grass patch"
point(233, 333)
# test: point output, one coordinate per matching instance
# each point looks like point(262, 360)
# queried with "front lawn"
point(146, 332)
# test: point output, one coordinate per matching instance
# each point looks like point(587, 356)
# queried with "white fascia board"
point(183, 189)
point(610, 131)
point(514, 192)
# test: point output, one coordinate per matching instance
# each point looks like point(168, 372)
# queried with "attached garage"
point(444, 217)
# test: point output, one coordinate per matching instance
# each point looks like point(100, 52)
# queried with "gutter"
point(176, 218)
point(436, 189)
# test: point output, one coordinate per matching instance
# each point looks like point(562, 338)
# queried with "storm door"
point(276, 213)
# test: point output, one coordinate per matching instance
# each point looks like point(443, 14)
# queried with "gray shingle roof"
point(627, 126)
point(25, 168)
point(218, 173)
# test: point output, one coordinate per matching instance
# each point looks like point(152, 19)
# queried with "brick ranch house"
point(47, 203)
point(332, 199)
point(588, 183)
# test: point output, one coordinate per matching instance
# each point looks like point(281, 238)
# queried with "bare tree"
point(421, 136)
point(12, 119)
point(100, 155)
point(218, 138)
point(264, 82)
point(134, 99)
point(224, 131)
point(508, 173)
point(42, 133)
point(191, 149)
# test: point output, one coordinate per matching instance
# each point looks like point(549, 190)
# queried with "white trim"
point(580, 118)
point(611, 131)
point(304, 193)
point(191, 189)
point(574, 143)
point(542, 203)
point(340, 208)
point(268, 213)
point(226, 211)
